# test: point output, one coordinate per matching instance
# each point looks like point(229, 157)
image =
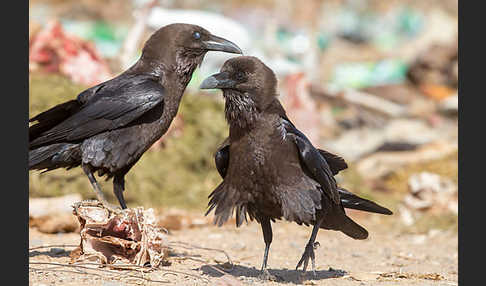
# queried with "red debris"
point(301, 107)
point(52, 50)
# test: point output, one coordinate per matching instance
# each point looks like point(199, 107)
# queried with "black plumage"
point(270, 169)
point(108, 127)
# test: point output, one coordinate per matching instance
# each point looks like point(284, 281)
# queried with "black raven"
point(109, 126)
point(270, 169)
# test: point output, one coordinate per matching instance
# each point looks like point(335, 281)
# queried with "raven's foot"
point(112, 208)
point(88, 203)
point(308, 254)
point(95, 203)
point(265, 275)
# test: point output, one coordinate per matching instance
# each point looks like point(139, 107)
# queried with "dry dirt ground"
point(386, 257)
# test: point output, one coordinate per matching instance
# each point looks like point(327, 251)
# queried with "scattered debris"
point(437, 92)
point(428, 190)
point(129, 237)
point(406, 215)
point(404, 275)
point(365, 74)
point(381, 164)
point(396, 135)
point(450, 105)
point(403, 94)
point(361, 98)
point(301, 107)
point(378, 275)
point(52, 50)
point(437, 66)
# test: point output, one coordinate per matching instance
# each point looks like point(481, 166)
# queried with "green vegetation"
point(180, 173)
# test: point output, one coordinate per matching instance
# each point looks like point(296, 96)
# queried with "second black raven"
point(270, 169)
point(109, 126)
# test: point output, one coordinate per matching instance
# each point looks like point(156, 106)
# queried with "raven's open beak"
point(219, 80)
point(215, 43)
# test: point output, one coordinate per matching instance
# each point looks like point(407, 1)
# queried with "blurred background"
point(372, 81)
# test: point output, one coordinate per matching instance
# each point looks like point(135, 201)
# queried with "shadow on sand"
point(281, 275)
point(51, 253)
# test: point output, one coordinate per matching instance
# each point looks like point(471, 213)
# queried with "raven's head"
point(248, 86)
point(181, 47)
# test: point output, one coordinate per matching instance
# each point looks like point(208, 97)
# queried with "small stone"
point(419, 239)
point(57, 251)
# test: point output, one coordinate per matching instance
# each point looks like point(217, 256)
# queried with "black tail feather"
point(352, 201)
point(339, 221)
point(352, 229)
point(62, 155)
point(51, 117)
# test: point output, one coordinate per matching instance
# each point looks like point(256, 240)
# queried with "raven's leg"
point(267, 237)
point(118, 188)
point(99, 194)
point(309, 249)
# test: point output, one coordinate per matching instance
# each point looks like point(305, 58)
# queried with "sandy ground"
point(387, 257)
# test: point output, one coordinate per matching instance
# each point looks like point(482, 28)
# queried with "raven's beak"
point(219, 80)
point(215, 43)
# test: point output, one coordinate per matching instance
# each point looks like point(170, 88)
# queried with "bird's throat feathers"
point(186, 62)
point(240, 110)
point(176, 69)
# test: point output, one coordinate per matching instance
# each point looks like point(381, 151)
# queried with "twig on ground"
point(53, 245)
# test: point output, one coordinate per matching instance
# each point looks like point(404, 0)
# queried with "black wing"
point(51, 117)
point(313, 161)
point(221, 158)
point(112, 106)
point(335, 162)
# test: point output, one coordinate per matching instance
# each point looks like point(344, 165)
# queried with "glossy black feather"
point(335, 162)
point(313, 161)
point(221, 159)
point(115, 105)
point(51, 117)
point(352, 201)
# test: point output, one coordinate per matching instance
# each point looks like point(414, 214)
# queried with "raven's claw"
point(308, 254)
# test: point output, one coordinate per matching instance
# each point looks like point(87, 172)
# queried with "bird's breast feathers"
point(265, 161)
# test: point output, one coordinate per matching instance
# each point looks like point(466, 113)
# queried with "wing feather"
point(112, 107)
point(313, 161)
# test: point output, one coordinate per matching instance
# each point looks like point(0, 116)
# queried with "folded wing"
point(111, 107)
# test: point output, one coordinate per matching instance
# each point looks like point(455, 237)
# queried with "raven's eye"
point(196, 35)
